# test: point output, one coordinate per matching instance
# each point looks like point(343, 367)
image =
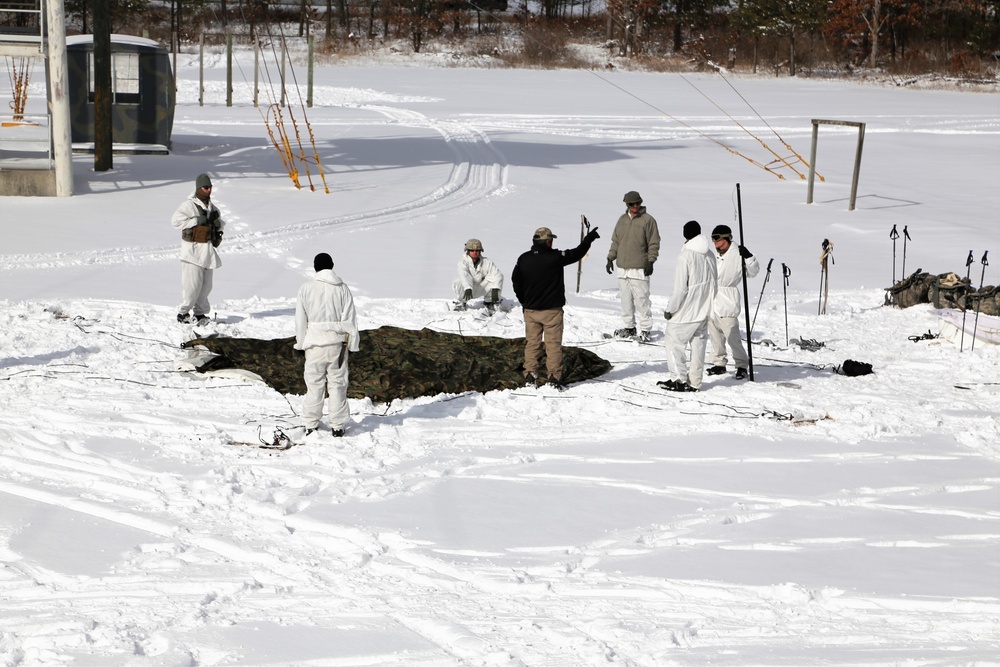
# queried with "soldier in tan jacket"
point(635, 246)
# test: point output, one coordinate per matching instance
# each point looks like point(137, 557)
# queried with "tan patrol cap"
point(542, 234)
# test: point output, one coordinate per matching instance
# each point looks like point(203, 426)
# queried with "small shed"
point(142, 91)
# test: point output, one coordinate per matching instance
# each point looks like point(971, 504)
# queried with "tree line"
point(960, 37)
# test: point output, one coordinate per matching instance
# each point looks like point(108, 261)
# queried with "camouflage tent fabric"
point(946, 290)
point(400, 363)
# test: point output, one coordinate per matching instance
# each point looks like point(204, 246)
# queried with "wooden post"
point(103, 131)
point(62, 142)
point(229, 69)
point(256, 69)
point(284, 57)
point(201, 69)
point(309, 86)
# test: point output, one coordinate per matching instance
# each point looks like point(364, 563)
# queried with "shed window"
point(124, 78)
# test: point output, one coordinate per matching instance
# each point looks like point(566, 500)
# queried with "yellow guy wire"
point(775, 132)
point(693, 129)
point(741, 126)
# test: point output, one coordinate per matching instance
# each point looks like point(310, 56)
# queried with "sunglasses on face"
point(719, 237)
point(634, 204)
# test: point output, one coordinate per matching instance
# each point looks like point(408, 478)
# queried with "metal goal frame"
point(816, 122)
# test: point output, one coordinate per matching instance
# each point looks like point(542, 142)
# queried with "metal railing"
point(25, 141)
point(22, 22)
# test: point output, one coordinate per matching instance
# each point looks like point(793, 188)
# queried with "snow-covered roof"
point(115, 39)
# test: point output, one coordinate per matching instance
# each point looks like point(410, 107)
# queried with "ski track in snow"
point(479, 170)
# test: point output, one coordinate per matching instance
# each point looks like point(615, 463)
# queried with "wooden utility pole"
point(102, 86)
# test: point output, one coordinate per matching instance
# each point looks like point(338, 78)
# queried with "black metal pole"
point(975, 326)
point(786, 272)
point(746, 296)
point(894, 235)
point(968, 272)
point(906, 237)
point(761, 297)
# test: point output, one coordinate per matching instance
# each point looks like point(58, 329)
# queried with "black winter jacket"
point(538, 280)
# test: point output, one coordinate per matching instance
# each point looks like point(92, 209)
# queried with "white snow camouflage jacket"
point(486, 275)
point(186, 216)
point(695, 283)
point(727, 299)
point(324, 313)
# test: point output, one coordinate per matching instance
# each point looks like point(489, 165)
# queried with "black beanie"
point(722, 230)
point(691, 229)
point(322, 261)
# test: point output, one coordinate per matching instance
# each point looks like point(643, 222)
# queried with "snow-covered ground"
point(803, 518)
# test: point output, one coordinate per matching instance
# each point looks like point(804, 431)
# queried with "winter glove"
point(592, 235)
point(495, 295)
point(467, 296)
point(667, 314)
point(744, 253)
point(202, 219)
point(648, 270)
point(611, 266)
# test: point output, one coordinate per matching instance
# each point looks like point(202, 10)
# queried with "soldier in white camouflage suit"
point(478, 277)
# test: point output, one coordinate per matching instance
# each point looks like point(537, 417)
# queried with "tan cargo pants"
point(547, 326)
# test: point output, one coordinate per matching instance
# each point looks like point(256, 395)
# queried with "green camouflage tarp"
point(400, 363)
point(947, 290)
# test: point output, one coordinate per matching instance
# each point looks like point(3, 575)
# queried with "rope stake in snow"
point(785, 272)
point(894, 235)
point(906, 237)
point(824, 277)
point(975, 326)
point(767, 276)
point(743, 269)
point(968, 281)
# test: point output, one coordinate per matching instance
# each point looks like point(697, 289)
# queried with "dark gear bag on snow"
point(854, 368)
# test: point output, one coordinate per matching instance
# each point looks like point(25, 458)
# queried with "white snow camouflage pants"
point(323, 377)
point(676, 340)
point(196, 285)
point(635, 303)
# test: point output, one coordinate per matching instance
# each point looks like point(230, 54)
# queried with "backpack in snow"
point(853, 368)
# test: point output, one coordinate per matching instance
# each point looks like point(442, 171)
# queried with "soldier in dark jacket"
point(539, 285)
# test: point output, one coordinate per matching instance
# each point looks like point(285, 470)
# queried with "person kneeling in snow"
point(326, 327)
point(478, 277)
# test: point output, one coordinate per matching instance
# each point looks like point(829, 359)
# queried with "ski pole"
point(894, 235)
point(824, 276)
point(584, 228)
point(761, 297)
point(906, 237)
point(786, 272)
point(746, 296)
point(979, 298)
point(968, 271)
